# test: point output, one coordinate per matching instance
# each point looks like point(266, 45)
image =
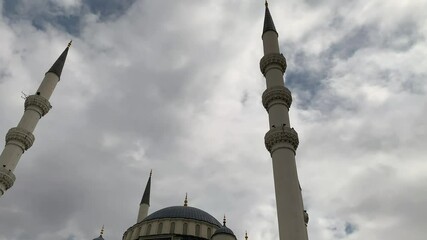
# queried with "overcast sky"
point(175, 86)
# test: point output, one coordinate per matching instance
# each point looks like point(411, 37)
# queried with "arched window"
point(198, 230)
point(160, 228)
point(185, 229)
point(148, 230)
point(172, 227)
point(209, 232)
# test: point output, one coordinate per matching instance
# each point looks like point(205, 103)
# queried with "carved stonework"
point(273, 60)
point(7, 178)
point(20, 137)
point(306, 218)
point(281, 135)
point(276, 95)
point(38, 104)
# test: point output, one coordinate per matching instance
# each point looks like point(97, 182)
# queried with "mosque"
point(186, 222)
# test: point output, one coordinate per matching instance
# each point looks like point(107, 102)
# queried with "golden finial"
point(186, 200)
point(69, 44)
point(151, 172)
point(224, 221)
point(102, 230)
point(266, 4)
point(246, 235)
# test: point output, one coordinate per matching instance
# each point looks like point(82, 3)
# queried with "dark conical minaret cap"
point(59, 64)
point(146, 197)
point(268, 21)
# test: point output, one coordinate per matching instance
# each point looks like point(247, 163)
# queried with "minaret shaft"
point(48, 85)
point(20, 138)
point(143, 212)
point(282, 140)
point(271, 45)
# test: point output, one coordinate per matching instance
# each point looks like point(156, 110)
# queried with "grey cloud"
point(182, 97)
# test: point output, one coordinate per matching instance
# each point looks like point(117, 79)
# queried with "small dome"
point(224, 230)
point(185, 213)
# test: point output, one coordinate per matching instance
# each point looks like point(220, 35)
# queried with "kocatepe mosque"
point(186, 222)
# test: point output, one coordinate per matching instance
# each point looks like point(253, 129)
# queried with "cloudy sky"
point(175, 86)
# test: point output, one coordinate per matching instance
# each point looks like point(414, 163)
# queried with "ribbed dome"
point(224, 230)
point(183, 212)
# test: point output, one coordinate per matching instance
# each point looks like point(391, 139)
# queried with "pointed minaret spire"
point(268, 21)
point(281, 140)
point(186, 200)
point(145, 201)
point(21, 138)
point(59, 64)
point(146, 196)
point(224, 221)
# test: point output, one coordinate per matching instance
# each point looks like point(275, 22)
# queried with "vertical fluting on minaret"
point(145, 201)
point(281, 140)
point(21, 138)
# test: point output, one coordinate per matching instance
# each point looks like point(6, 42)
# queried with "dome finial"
point(246, 235)
point(102, 230)
point(266, 4)
point(186, 200)
point(69, 44)
point(224, 221)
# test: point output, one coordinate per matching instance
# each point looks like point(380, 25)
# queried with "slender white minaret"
point(281, 140)
point(145, 201)
point(21, 138)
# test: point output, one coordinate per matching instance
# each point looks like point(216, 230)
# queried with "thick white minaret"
point(21, 138)
point(145, 201)
point(281, 140)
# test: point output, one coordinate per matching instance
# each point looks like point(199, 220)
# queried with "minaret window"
point(172, 227)
point(198, 230)
point(148, 230)
point(185, 228)
point(160, 228)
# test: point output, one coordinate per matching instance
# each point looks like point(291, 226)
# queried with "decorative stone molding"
point(38, 104)
point(277, 95)
point(273, 60)
point(306, 218)
point(20, 137)
point(7, 178)
point(285, 135)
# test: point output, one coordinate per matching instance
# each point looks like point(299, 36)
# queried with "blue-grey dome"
point(183, 212)
point(224, 230)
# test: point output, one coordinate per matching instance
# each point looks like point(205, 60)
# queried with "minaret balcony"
point(276, 95)
point(37, 103)
point(20, 137)
point(281, 137)
point(7, 178)
point(273, 61)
